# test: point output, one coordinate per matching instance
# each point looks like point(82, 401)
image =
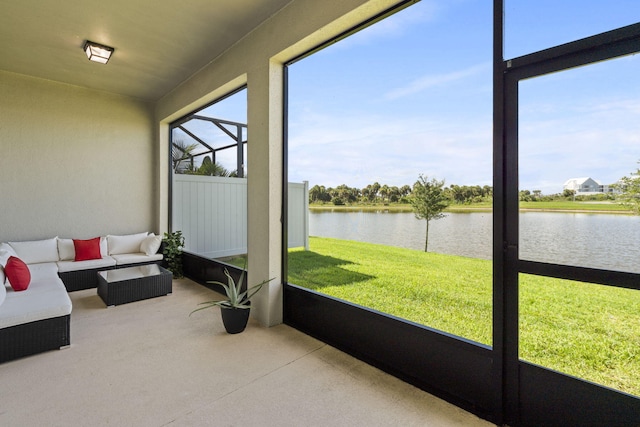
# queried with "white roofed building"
point(586, 186)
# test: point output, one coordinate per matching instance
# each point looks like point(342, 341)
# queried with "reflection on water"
point(589, 240)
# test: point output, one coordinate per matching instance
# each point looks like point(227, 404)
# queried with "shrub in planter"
point(173, 244)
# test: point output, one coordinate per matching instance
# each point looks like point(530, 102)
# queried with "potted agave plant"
point(234, 309)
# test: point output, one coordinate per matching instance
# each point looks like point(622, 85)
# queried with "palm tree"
point(210, 168)
point(385, 192)
point(181, 151)
point(394, 194)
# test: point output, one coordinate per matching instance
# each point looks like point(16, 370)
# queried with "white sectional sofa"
point(116, 252)
point(38, 318)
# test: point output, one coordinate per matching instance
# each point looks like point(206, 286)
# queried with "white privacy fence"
point(298, 215)
point(211, 212)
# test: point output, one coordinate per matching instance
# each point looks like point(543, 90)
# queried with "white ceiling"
point(158, 43)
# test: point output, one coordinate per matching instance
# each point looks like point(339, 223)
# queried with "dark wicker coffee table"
point(130, 284)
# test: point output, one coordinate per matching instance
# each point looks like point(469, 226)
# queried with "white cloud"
point(599, 139)
point(359, 150)
point(434, 80)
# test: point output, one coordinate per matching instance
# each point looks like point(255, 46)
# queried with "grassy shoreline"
point(565, 207)
point(585, 330)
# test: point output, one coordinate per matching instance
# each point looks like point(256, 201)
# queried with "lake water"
point(609, 241)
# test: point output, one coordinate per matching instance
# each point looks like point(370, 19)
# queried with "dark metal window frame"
point(610, 45)
point(491, 382)
point(521, 386)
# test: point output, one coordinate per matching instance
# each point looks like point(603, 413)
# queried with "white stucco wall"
point(257, 60)
point(74, 162)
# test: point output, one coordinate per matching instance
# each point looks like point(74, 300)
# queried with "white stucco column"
point(264, 176)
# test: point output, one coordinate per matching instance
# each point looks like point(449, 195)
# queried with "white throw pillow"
point(151, 244)
point(36, 251)
point(66, 249)
point(104, 250)
point(127, 244)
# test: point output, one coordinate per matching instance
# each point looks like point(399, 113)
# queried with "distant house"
point(586, 186)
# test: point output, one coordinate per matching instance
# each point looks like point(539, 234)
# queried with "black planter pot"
point(234, 319)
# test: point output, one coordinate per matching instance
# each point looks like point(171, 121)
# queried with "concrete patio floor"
point(149, 364)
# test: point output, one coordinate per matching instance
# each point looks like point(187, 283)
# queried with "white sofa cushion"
point(6, 252)
point(151, 244)
point(136, 258)
point(126, 244)
point(35, 251)
point(43, 299)
point(66, 266)
point(43, 271)
point(3, 289)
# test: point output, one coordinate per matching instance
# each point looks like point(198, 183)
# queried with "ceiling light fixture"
point(97, 52)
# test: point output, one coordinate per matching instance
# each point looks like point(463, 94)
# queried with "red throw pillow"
point(18, 274)
point(87, 249)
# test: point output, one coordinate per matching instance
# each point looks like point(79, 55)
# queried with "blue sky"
point(412, 95)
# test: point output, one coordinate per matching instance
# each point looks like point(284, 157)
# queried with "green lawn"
point(589, 331)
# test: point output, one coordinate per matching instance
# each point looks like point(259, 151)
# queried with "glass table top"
point(129, 273)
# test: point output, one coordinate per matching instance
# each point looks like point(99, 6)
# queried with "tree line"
point(376, 193)
point(456, 194)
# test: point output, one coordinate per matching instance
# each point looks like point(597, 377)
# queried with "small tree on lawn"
point(629, 187)
point(428, 200)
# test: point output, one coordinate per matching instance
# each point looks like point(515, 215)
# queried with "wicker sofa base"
point(34, 337)
point(88, 279)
